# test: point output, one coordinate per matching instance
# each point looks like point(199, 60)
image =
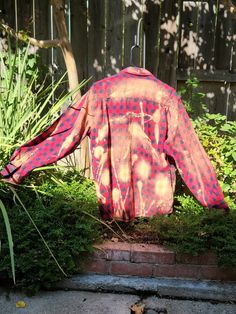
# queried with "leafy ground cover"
point(64, 208)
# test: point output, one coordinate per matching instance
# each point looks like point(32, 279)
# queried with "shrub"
point(194, 233)
point(58, 207)
point(218, 137)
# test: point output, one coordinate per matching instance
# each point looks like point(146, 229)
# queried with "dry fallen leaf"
point(137, 308)
point(20, 304)
point(113, 239)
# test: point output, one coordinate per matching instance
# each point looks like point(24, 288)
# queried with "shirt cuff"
point(11, 174)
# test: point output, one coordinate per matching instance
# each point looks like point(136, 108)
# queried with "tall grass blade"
point(9, 237)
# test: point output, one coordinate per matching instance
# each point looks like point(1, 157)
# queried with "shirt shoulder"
point(105, 82)
point(173, 98)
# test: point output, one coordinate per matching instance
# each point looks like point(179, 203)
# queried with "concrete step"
point(163, 287)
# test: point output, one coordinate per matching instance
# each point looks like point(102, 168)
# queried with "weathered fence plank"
point(169, 41)
point(206, 35)
point(79, 39)
point(206, 76)
point(96, 39)
point(232, 102)
point(233, 69)
point(7, 13)
point(215, 95)
point(132, 14)
point(189, 48)
point(219, 100)
point(114, 30)
point(152, 30)
point(42, 28)
point(182, 38)
point(25, 16)
point(224, 34)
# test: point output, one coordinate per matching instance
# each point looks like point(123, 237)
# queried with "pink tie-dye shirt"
point(139, 134)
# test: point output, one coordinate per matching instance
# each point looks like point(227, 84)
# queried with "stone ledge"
point(149, 260)
point(164, 287)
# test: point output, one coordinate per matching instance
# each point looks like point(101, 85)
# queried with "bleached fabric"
point(140, 133)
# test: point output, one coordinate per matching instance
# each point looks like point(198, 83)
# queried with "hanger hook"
point(137, 43)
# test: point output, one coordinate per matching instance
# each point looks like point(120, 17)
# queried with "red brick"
point(148, 260)
point(176, 271)
point(218, 273)
point(209, 272)
point(119, 255)
point(202, 259)
point(131, 269)
point(152, 254)
point(115, 251)
point(99, 266)
point(99, 254)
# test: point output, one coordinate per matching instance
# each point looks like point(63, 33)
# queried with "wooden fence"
point(183, 38)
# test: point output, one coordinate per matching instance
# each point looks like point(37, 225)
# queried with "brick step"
point(149, 260)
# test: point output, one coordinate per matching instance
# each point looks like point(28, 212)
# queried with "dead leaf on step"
point(137, 308)
point(20, 304)
point(113, 239)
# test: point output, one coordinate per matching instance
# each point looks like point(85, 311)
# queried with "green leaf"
point(234, 156)
point(31, 62)
point(10, 241)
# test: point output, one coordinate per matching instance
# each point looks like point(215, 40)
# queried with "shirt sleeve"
point(56, 142)
point(192, 162)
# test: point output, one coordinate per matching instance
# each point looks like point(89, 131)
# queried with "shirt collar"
point(136, 71)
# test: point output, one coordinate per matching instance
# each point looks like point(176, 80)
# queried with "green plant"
point(186, 202)
point(194, 233)
point(25, 110)
point(193, 99)
point(62, 208)
point(218, 137)
point(9, 238)
point(25, 105)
